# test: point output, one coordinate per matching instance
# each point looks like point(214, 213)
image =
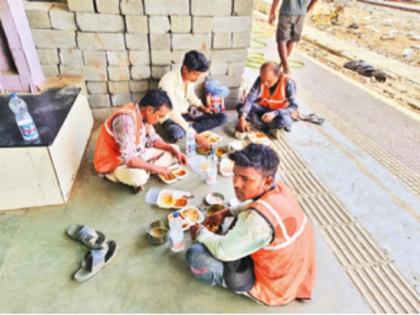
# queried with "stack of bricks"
point(123, 47)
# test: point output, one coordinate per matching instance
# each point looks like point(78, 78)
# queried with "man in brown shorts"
point(290, 25)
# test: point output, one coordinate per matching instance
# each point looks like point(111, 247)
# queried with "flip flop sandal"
point(86, 235)
point(380, 75)
point(312, 118)
point(95, 260)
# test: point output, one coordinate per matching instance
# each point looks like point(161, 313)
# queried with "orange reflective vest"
point(278, 99)
point(285, 269)
point(107, 152)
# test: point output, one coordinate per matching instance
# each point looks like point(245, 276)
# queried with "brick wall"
point(123, 47)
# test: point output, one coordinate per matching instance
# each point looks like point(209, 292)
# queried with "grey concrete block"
point(54, 39)
point(161, 57)
point(71, 70)
point(236, 69)
point(120, 99)
point(137, 41)
point(228, 55)
point(159, 71)
point(160, 41)
point(71, 57)
point(101, 41)
point(218, 68)
point(139, 58)
point(62, 18)
point(211, 8)
point(222, 40)
point(136, 97)
point(138, 86)
point(50, 70)
point(108, 6)
point(159, 24)
point(98, 101)
point(202, 25)
point(118, 87)
point(243, 7)
point(153, 84)
point(191, 41)
point(88, 22)
point(95, 87)
point(117, 58)
point(167, 7)
point(140, 72)
point(119, 73)
point(94, 58)
point(48, 56)
point(232, 23)
point(37, 14)
point(91, 73)
point(241, 40)
point(95, 73)
point(81, 5)
point(180, 24)
point(137, 24)
point(131, 7)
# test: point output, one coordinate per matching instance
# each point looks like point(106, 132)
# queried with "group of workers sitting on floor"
point(268, 253)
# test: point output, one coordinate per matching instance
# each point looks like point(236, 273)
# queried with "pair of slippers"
point(365, 69)
point(101, 251)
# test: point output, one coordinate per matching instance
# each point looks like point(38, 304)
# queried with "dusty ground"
point(384, 30)
point(370, 20)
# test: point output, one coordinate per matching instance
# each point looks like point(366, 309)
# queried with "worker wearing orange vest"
point(268, 254)
point(271, 103)
point(128, 149)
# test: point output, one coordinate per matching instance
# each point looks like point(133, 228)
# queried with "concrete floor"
point(37, 260)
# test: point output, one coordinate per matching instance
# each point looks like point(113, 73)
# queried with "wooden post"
point(23, 73)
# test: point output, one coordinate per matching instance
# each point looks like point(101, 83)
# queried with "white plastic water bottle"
point(212, 168)
point(176, 234)
point(190, 141)
point(23, 119)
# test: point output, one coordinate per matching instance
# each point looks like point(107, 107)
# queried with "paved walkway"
point(37, 259)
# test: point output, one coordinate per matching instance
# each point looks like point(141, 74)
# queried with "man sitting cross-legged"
point(178, 84)
point(269, 252)
point(128, 149)
point(271, 103)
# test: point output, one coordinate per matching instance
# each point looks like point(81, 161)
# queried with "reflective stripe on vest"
point(289, 239)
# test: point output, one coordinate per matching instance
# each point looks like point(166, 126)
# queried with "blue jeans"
point(175, 132)
point(204, 266)
point(255, 118)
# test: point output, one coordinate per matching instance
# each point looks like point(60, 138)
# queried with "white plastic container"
point(176, 234)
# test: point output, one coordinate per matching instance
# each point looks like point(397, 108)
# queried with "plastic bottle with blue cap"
point(176, 233)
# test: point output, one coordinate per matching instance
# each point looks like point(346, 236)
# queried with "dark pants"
point(175, 132)
point(237, 276)
point(255, 118)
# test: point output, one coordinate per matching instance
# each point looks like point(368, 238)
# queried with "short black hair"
point(258, 156)
point(156, 98)
point(196, 61)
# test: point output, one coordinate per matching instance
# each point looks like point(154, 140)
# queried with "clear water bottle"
point(176, 234)
point(190, 141)
point(212, 168)
point(24, 119)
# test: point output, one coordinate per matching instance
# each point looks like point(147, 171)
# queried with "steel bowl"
point(158, 232)
point(214, 198)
